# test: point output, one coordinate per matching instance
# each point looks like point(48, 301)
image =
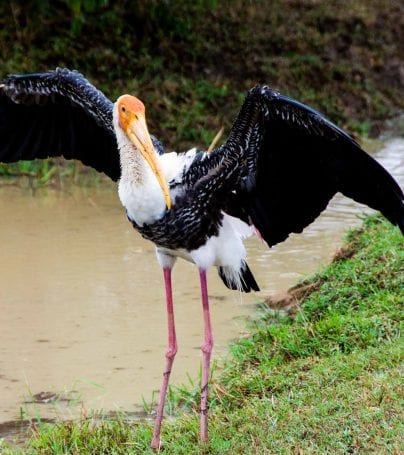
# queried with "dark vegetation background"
point(191, 62)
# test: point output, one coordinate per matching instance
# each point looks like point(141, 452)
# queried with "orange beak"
point(137, 132)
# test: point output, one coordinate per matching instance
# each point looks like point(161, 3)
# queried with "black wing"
point(58, 113)
point(291, 161)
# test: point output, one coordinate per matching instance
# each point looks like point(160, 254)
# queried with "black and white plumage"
point(286, 153)
point(277, 171)
point(282, 158)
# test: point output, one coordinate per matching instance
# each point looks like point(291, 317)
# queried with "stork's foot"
point(155, 444)
point(204, 426)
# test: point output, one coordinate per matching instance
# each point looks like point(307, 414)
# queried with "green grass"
point(192, 62)
point(49, 172)
point(327, 381)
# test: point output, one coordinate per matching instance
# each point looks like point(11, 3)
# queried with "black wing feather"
point(58, 113)
point(302, 161)
point(291, 161)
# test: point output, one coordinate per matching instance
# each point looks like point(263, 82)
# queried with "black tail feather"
point(247, 280)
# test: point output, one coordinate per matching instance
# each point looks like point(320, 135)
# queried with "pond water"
point(82, 299)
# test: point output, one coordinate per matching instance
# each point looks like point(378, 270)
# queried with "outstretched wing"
point(290, 162)
point(58, 113)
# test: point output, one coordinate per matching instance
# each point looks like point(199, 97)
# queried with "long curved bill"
point(138, 133)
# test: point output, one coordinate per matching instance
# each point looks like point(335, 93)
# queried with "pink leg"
point(206, 352)
point(170, 354)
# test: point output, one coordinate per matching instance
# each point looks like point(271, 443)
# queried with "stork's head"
point(131, 118)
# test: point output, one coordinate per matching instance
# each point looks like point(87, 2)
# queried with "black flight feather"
point(279, 168)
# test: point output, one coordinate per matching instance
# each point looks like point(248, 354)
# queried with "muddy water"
point(82, 303)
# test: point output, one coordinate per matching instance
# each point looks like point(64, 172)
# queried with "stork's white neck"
point(139, 190)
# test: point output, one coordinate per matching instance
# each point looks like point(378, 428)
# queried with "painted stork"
point(280, 166)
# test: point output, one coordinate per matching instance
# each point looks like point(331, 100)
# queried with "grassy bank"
point(192, 62)
point(327, 381)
